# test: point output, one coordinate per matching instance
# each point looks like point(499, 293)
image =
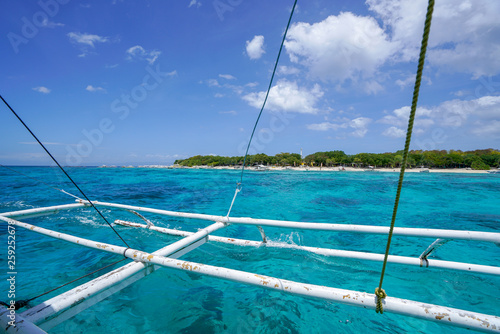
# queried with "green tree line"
point(478, 159)
point(281, 159)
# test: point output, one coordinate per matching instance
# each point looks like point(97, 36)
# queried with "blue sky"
point(148, 82)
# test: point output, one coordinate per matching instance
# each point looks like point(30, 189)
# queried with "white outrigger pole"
point(57, 309)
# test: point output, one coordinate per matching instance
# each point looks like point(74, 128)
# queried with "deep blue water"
point(176, 302)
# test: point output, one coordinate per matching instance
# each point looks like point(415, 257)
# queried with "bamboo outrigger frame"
point(55, 310)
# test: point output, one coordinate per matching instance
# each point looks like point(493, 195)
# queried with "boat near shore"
point(422, 169)
point(261, 168)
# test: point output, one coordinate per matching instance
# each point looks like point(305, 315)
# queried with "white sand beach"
point(333, 169)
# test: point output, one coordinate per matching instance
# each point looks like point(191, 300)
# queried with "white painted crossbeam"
point(436, 313)
point(428, 263)
point(415, 232)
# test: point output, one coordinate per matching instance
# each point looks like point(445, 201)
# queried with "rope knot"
point(380, 293)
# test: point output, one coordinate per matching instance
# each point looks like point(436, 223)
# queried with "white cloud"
point(288, 70)
point(138, 52)
point(86, 39)
point(455, 113)
point(237, 89)
point(371, 87)
point(394, 132)
point(325, 126)
point(359, 125)
point(213, 83)
point(399, 118)
point(405, 20)
point(91, 88)
point(461, 93)
point(287, 96)
point(465, 34)
point(255, 47)
point(42, 89)
point(351, 49)
point(403, 83)
point(230, 112)
point(218, 95)
point(487, 129)
point(194, 3)
point(479, 116)
point(340, 47)
point(49, 24)
point(227, 76)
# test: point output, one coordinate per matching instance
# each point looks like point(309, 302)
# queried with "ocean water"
point(169, 301)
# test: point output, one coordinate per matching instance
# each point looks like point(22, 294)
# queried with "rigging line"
point(238, 189)
point(21, 303)
point(37, 180)
point(67, 175)
point(379, 291)
point(268, 90)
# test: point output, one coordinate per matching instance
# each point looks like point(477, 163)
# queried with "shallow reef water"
point(170, 301)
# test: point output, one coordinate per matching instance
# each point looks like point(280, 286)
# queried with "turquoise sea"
point(169, 301)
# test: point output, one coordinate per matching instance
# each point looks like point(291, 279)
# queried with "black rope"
point(268, 90)
point(125, 251)
point(57, 163)
point(22, 303)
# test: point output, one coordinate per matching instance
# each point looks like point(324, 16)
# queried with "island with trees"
point(436, 159)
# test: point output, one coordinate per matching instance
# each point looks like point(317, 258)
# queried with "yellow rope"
point(379, 292)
